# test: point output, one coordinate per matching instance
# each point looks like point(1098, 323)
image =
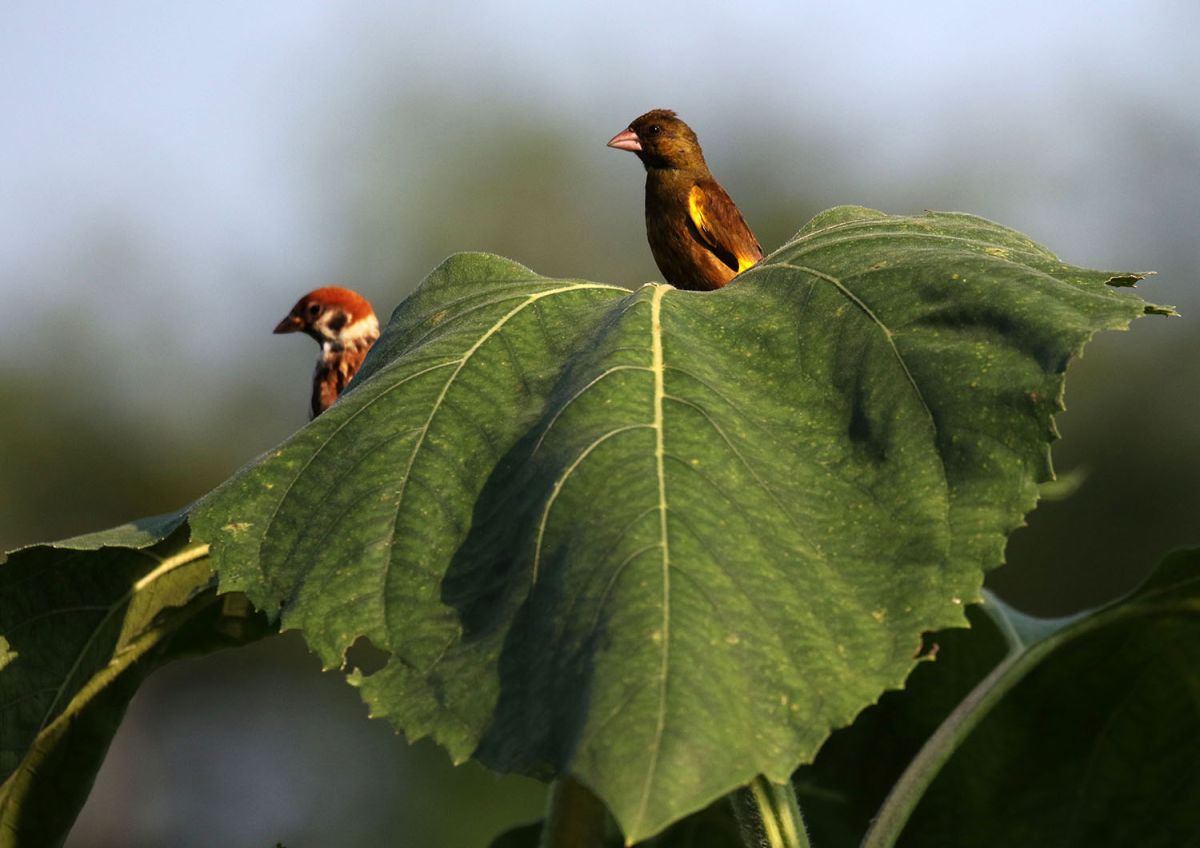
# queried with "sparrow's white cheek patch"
point(362, 328)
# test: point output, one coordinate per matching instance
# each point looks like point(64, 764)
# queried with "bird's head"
point(661, 140)
point(332, 315)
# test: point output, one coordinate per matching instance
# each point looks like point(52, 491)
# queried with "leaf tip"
point(1155, 309)
point(1129, 278)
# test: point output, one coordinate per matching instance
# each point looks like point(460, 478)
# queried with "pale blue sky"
point(181, 142)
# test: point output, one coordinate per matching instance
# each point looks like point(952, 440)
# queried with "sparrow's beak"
point(626, 140)
point(290, 324)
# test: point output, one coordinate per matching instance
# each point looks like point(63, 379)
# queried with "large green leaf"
point(81, 624)
point(664, 541)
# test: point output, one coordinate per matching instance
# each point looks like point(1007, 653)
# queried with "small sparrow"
point(345, 326)
point(697, 235)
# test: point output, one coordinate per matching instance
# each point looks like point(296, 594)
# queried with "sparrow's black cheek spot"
point(338, 321)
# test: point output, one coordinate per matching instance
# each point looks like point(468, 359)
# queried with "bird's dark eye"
point(655, 129)
point(314, 309)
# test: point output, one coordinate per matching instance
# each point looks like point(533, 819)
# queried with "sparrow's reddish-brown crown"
point(325, 313)
point(345, 327)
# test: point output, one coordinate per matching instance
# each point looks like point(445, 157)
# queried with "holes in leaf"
point(365, 656)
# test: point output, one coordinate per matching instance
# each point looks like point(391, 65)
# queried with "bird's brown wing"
point(327, 385)
point(721, 227)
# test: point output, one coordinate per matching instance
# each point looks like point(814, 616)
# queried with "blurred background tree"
point(174, 177)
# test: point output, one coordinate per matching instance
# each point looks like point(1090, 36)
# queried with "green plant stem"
point(769, 815)
point(906, 794)
point(1022, 658)
point(575, 817)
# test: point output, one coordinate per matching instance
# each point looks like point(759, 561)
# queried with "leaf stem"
point(575, 817)
point(910, 788)
point(171, 563)
point(769, 815)
point(165, 566)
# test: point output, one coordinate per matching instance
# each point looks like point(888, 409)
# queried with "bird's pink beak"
point(290, 324)
point(626, 140)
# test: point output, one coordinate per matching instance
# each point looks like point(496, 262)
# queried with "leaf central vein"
point(656, 353)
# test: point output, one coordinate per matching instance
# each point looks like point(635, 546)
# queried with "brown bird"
point(696, 233)
point(345, 326)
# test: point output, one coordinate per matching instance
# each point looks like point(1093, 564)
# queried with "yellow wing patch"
point(695, 196)
point(696, 211)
